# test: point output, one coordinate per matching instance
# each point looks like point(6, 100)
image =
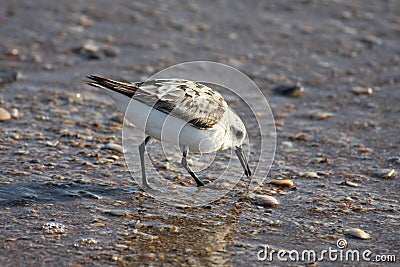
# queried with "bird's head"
point(237, 132)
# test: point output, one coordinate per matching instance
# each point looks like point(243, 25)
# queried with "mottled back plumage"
point(193, 102)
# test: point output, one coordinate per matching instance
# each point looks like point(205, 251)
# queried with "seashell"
point(286, 182)
point(386, 173)
point(357, 233)
point(114, 157)
point(266, 201)
point(4, 115)
point(52, 144)
point(390, 174)
point(114, 147)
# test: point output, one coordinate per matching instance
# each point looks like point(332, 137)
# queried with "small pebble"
point(357, 233)
point(111, 51)
point(14, 52)
point(309, 174)
point(233, 36)
point(120, 246)
point(349, 199)
point(52, 144)
point(85, 21)
point(88, 241)
point(90, 46)
point(98, 224)
point(395, 160)
point(300, 137)
point(287, 144)
point(94, 51)
point(4, 115)
point(9, 76)
point(370, 40)
point(346, 15)
point(166, 166)
point(366, 150)
point(361, 91)
point(114, 157)
point(348, 183)
point(175, 229)
point(282, 116)
point(22, 152)
point(115, 257)
point(14, 113)
point(145, 235)
point(293, 91)
point(321, 115)
point(89, 50)
point(286, 182)
point(321, 160)
point(118, 212)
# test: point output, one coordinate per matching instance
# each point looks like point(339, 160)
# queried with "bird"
point(182, 112)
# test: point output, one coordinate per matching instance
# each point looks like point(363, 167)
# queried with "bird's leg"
point(142, 148)
point(186, 166)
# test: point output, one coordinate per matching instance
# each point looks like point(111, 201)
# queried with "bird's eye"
point(238, 133)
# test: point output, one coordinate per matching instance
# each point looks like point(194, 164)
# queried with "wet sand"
point(67, 201)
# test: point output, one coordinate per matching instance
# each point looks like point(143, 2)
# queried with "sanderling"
point(205, 121)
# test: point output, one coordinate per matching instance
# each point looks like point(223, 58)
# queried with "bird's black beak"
point(243, 160)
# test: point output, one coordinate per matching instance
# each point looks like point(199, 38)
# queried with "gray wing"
point(193, 102)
